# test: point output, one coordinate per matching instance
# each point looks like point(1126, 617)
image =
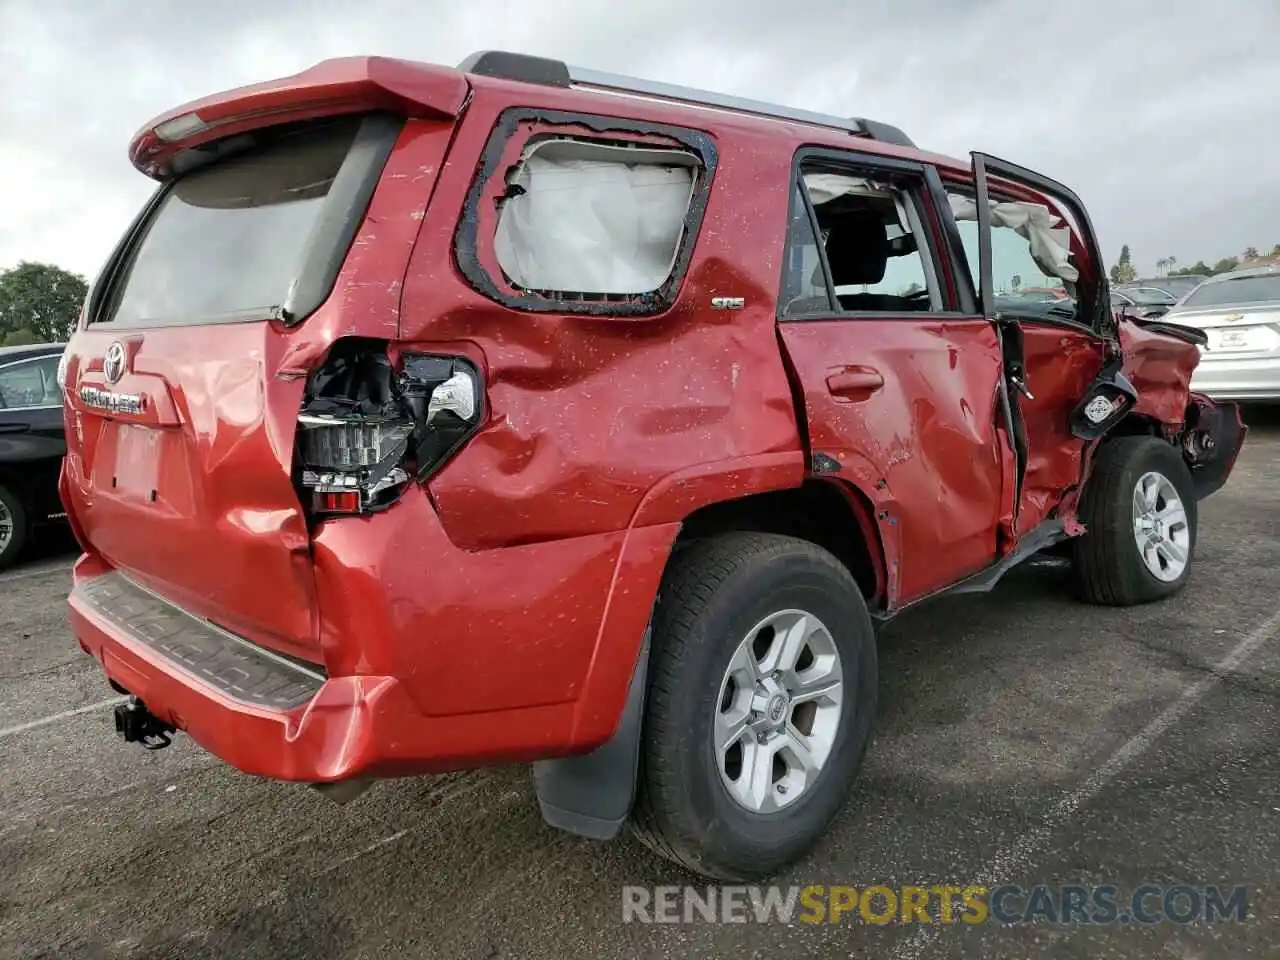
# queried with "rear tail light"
point(367, 429)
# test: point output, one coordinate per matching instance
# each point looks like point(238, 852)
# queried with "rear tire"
point(707, 637)
point(13, 526)
point(1139, 508)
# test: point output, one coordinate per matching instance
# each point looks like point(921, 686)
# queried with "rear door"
point(185, 382)
point(899, 381)
point(1021, 230)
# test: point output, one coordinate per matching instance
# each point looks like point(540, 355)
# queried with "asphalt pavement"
point(1023, 738)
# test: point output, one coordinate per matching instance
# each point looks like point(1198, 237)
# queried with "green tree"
point(1250, 253)
point(1161, 265)
point(1199, 267)
point(1275, 251)
point(1225, 265)
point(1123, 271)
point(41, 298)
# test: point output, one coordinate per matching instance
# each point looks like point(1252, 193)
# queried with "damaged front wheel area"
point(1139, 510)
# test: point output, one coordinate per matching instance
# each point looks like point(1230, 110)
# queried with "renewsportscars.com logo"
point(1103, 904)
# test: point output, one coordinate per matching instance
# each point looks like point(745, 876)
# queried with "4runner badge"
point(113, 368)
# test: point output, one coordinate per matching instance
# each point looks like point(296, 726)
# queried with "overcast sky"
point(1163, 116)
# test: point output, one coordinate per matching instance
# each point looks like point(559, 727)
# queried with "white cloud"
point(1161, 115)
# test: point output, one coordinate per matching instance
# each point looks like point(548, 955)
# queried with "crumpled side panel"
point(1060, 365)
point(1160, 367)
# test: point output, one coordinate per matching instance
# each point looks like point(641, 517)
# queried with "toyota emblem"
point(113, 362)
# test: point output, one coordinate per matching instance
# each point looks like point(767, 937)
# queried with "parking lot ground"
point(1023, 738)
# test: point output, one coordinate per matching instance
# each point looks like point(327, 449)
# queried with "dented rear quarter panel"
point(592, 416)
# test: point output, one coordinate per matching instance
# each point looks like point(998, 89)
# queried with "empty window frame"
point(1033, 268)
point(874, 247)
point(566, 222)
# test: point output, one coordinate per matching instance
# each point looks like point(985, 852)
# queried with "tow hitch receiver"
point(136, 724)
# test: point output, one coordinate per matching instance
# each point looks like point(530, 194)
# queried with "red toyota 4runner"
point(428, 418)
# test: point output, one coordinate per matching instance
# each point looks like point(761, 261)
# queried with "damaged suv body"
point(428, 418)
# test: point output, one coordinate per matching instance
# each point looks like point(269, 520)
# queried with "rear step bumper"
point(234, 667)
point(437, 658)
point(256, 710)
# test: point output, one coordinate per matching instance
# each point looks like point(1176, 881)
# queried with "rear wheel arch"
point(831, 514)
point(591, 794)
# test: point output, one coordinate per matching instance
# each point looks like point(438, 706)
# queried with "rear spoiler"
point(331, 87)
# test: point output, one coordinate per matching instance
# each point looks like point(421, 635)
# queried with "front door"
point(900, 386)
point(1034, 259)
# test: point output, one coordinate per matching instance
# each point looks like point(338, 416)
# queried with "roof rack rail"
point(556, 73)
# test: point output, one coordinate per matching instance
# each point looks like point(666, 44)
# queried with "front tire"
point(1139, 509)
point(761, 697)
point(13, 526)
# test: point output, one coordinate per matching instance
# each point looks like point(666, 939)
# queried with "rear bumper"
point(1256, 379)
point(419, 677)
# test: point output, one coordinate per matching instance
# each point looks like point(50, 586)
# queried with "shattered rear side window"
point(583, 220)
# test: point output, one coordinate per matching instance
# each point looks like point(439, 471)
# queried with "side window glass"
point(877, 254)
point(30, 384)
point(1032, 269)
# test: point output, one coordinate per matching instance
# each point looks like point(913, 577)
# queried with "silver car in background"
point(1240, 313)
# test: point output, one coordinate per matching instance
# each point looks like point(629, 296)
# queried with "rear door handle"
point(854, 382)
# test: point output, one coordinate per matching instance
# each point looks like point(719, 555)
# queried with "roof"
point(441, 92)
point(10, 354)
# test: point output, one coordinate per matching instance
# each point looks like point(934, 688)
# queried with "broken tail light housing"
point(366, 429)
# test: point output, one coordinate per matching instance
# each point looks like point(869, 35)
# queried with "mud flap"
point(591, 795)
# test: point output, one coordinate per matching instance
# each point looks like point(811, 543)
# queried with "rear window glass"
point(1240, 290)
point(229, 239)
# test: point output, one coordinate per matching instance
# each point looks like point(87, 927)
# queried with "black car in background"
point(32, 443)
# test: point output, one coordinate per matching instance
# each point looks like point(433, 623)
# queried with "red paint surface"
point(224, 536)
point(343, 85)
point(495, 613)
point(923, 447)
point(591, 417)
point(1060, 365)
point(1160, 367)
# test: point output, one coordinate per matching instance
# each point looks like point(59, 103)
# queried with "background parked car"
point(32, 443)
point(1145, 303)
point(1240, 311)
point(1177, 287)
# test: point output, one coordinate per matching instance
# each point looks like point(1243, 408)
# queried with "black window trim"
point(926, 193)
point(466, 237)
point(324, 253)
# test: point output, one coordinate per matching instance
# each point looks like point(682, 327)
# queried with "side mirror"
point(1109, 398)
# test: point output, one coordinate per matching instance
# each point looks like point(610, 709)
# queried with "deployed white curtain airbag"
point(593, 218)
point(1034, 222)
point(825, 187)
